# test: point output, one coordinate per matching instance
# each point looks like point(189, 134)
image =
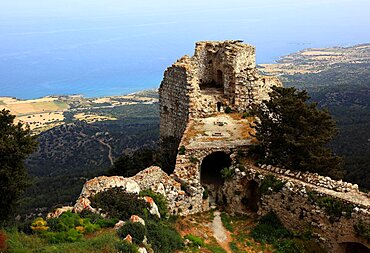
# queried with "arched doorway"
point(354, 247)
point(211, 167)
point(220, 78)
point(250, 201)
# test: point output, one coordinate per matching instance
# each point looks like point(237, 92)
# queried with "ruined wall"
point(300, 205)
point(174, 107)
point(220, 74)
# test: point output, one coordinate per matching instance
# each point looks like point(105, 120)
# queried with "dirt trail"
point(220, 233)
point(109, 151)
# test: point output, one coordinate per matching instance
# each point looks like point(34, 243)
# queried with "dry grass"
point(90, 118)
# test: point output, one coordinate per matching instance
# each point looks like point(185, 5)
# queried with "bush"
point(270, 181)
point(119, 204)
point(97, 219)
point(135, 229)
point(228, 110)
point(195, 241)
point(162, 237)
point(205, 193)
point(193, 160)
point(39, 225)
point(126, 247)
point(363, 230)
point(269, 229)
point(159, 199)
point(227, 173)
point(182, 150)
point(246, 115)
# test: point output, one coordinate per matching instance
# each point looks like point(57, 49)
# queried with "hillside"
point(76, 150)
point(337, 79)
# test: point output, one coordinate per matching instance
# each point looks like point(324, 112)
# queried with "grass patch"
point(20, 242)
point(270, 182)
point(226, 221)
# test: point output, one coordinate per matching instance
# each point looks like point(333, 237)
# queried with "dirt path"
point(219, 232)
point(109, 151)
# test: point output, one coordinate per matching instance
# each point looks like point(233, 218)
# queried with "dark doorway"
point(211, 168)
point(251, 199)
point(220, 78)
point(353, 247)
point(219, 104)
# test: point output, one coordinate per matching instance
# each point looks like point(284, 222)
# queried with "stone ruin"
point(204, 103)
point(222, 75)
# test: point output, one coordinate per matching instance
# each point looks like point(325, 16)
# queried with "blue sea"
point(113, 47)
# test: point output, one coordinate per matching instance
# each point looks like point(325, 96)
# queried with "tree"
point(16, 143)
point(294, 134)
point(129, 165)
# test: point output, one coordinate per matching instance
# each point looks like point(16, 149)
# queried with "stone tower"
point(221, 74)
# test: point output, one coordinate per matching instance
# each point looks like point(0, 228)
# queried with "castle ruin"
point(205, 128)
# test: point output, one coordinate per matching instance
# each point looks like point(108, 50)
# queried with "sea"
point(115, 47)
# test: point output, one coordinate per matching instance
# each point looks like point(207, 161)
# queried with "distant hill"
point(337, 79)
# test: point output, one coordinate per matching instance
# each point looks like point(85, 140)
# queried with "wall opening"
point(211, 167)
point(220, 78)
point(250, 201)
point(219, 105)
point(354, 247)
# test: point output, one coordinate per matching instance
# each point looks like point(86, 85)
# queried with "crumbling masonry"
point(205, 128)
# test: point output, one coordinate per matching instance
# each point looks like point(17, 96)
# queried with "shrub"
point(126, 247)
point(182, 150)
point(246, 115)
point(120, 204)
point(228, 110)
point(193, 160)
point(162, 237)
point(270, 181)
point(135, 229)
point(159, 199)
point(97, 219)
point(39, 225)
point(363, 230)
point(269, 229)
point(227, 173)
point(195, 241)
point(333, 207)
point(205, 193)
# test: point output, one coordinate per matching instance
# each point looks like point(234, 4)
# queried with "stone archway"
point(211, 167)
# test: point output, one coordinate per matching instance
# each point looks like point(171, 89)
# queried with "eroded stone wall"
point(221, 74)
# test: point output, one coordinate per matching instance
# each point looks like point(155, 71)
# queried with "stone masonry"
point(200, 139)
point(221, 74)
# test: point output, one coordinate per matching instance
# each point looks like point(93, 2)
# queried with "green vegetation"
point(126, 247)
point(193, 160)
point(162, 237)
point(119, 204)
point(159, 200)
point(270, 230)
point(293, 133)
point(335, 208)
point(226, 221)
point(195, 240)
point(227, 173)
point(130, 164)
point(363, 230)
point(182, 150)
point(135, 229)
point(228, 110)
point(271, 182)
point(21, 242)
point(16, 144)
